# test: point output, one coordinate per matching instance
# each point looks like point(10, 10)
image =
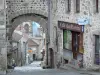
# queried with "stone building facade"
point(88, 9)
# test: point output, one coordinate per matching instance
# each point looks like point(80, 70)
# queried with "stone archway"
point(14, 22)
point(29, 17)
point(18, 8)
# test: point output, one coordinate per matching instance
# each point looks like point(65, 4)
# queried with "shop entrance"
point(51, 58)
point(73, 41)
point(75, 44)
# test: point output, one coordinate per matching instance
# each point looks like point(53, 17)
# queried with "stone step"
point(2, 72)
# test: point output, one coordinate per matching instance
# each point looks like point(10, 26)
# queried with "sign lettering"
point(69, 26)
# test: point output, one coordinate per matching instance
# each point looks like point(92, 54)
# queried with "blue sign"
point(83, 21)
point(82, 28)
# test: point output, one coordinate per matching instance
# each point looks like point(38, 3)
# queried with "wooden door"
point(75, 44)
point(51, 58)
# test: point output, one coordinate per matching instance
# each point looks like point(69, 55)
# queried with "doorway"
point(97, 50)
point(51, 58)
point(34, 56)
point(75, 44)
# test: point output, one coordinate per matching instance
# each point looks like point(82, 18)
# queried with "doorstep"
point(2, 72)
point(94, 68)
point(72, 67)
point(68, 67)
point(9, 70)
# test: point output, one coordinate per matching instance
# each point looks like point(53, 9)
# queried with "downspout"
point(48, 29)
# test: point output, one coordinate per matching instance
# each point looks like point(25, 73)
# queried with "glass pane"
point(67, 39)
point(97, 48)
point(97, 44)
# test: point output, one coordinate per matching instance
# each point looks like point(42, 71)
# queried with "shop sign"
point(70, 26)
point(83, 21)
point(30, 51)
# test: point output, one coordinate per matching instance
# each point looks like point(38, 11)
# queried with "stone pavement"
point(35, 69)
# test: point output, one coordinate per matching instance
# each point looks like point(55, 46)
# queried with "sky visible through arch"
point(35, 27)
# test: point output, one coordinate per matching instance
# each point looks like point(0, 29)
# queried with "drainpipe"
point(25, 51)
point(48, 28)
point(56, 38)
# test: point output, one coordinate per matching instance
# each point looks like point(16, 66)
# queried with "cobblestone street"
point(35, 69)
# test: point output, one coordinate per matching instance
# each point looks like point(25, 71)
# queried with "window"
point(97, 50)
point(97, 6)
point(67, 39)
point(68, 6)
point(77, 6)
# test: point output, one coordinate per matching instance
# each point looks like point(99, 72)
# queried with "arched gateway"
point(19, 11)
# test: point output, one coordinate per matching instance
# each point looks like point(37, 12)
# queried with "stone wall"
point(3, 46)
point(19, 7)
point(3, 59)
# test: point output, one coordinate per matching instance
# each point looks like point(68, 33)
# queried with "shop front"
point(72, 43)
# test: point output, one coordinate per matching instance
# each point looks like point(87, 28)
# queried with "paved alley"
point(33, 66)
point(35, 69)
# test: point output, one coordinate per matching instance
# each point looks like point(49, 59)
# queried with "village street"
point(35, 69)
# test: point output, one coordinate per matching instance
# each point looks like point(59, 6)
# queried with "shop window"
point(67, 39)
point(73, 41)
point(97, 50)
point(77, 3)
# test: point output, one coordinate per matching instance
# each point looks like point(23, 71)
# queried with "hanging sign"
point(83, 21)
